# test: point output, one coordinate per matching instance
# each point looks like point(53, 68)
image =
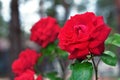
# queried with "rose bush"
point(83, 34)
point(45, 31)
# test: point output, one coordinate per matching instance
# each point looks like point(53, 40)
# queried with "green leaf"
point(49, 49)
point(114, 40)
point(109, 58)
point(109, 40)
point(40, 59)
point(61, 53)
point(53, 76)
point(36, 69)
point(81, 71)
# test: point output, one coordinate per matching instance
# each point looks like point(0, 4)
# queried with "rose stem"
point(95, 68)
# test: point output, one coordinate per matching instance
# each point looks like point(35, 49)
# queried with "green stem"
point(95, 68)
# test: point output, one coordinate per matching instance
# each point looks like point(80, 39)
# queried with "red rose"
point(27, 75)
point(30, 56)
point(19, 66)
point(39, 77)
point(83, 34)
point(27, 59)
point(45, 31)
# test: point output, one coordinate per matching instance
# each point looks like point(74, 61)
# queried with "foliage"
point(105, 3)
point(82, 6)
point(107, 9)
point(53, 76)
point(3, 27)
point(3, 24)
point(109, 58)
point(81, 71)
point(114, 40)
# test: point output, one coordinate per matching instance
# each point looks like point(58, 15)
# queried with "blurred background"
point(18, 16)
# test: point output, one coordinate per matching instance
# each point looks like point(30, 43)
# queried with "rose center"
point(80, 28)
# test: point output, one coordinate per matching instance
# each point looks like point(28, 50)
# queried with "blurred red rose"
point(45, 31)
point(83, 34)
point(19, 66)
point(30, 56)
point(27, 75)
point(27, 59)
point(39, 77)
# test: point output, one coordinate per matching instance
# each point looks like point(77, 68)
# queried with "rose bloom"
point(83, 34)
point(19, 66)
point(39, 77)
point(45, 31)
point(30, 56)
point(27, 59)
point(28, 75)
